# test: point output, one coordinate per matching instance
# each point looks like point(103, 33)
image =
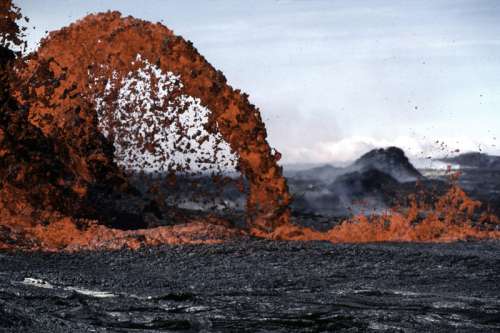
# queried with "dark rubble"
point(255, 286)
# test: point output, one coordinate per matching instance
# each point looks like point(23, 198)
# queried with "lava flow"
point(452, 217)
point(109, 96)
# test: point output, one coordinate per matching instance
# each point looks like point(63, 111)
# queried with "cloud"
point(334, 79)
point(348, 149)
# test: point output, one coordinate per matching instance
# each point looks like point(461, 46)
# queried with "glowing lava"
point(451, 217)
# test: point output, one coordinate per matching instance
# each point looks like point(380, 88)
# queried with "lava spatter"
point(106, 47)
point(72, 116)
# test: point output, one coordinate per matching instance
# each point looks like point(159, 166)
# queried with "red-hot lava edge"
point(53, 156)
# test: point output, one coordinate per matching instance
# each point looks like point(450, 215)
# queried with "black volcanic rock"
point(475, 160)
point(351, 192)
point(391, 161)
point(404, 287)
point(359, 184)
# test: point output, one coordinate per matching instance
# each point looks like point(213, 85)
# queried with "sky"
point(334, 79)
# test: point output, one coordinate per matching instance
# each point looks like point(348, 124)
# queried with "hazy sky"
point(334, 79)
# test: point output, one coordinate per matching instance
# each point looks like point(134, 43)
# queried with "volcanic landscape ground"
point(59, 169)
point(256, 286)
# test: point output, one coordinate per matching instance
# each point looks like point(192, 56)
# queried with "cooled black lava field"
point(255, 286)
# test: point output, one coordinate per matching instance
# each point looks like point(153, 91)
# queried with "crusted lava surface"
point(255, 285)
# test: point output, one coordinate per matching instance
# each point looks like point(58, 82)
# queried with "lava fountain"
point(110, 96)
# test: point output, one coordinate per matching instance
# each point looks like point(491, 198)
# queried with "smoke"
point(451, 217)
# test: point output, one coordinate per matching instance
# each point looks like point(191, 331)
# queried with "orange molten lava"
point(67, 234)
point(450, 218)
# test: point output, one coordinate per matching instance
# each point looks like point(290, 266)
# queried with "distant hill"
point(372, 182)
point(391, 161)
point(475, 160)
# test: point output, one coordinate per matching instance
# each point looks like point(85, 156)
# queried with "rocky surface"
point(254, 286)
